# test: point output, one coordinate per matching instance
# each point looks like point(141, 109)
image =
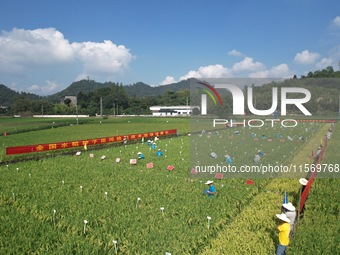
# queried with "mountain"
point(143, 90)
point(85, 86)
point(7, 95)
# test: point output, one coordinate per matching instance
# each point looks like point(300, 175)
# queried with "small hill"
point(85, 86)
point(7, 95)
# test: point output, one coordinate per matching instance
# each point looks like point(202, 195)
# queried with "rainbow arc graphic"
point(211, 91)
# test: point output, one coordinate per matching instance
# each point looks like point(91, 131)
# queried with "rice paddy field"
point(97, 202)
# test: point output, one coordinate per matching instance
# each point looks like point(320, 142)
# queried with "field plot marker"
point(13, 196)
point(138, 199)
point(209, 218)
point(162, 209)
point(81, 188)
point(54, 212)
point(85, 222)
point(106, 195)
point(115, 244)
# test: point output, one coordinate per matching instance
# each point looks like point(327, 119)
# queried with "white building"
point(173, 110)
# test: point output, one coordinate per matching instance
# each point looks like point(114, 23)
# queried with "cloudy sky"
point(47, 45)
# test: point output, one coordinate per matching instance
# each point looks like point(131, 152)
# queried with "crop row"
point(76, 188)
point(253, 231)
point(322, 211)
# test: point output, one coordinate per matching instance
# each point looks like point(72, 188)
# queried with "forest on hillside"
point(115, 99)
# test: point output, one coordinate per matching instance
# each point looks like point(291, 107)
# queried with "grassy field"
point(44, 203)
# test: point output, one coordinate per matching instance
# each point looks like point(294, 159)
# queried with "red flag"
point(219, 176)
point(170, 167)
point(149, 165)
point(194, 171)
point(250, 182)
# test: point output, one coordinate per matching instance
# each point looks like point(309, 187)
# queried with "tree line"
point(113, 99)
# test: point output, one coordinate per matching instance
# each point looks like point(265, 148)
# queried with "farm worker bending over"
point(153, 146)
point(290, 212)
point(140, 155)
point(257, 159)
point(159, 153)
point(283, 229)
point(260, 153)
point(211, 191)
point(228, 159)
point(148, 142)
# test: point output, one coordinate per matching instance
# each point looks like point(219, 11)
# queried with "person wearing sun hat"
point(290, 211)
point(303, 183)
point(140, 155)
point(283, 229)
point(159, 153)
point(211, 191)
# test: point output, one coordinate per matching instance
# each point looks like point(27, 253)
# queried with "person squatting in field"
point(211, 191)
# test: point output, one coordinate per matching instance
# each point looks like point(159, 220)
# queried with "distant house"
point(3, 109)
point(173, 110)
point(72, 98)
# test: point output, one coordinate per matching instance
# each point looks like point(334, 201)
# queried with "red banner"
point(306, 190)
point(324, 121)
point(87, 142)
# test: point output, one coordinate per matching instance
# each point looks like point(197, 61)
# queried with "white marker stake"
point(54, 212)
point(85, 222)
point(62, 182)
point(29, 175)
point(167, 253)
point(162, 209)
point(13, 196)
point(106, 195)
point(209, 218)
point(81, 188)
point(115, 244)
point(138, 199)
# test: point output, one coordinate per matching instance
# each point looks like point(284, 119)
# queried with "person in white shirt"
point(290, 212)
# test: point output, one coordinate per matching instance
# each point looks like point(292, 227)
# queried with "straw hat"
point(283, 217)
point(209, 182)
point(139, 153)
point(303, 181)
point(289, 207)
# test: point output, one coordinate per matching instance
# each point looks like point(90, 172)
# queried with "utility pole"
point(187, 106)
point(101, 107)
point(77, 110)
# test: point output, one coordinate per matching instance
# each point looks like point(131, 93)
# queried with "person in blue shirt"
point(153, 146)
point(140, 155)
point(159, 153)
point(211, 191)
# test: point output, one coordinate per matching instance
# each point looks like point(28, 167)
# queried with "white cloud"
point(211, 71)
point(306, 57)
point(323, 63)
point(24, 52)
point(46, 89)
point(168, 80)
point(102, 58)
point(247, 64)
point(235, 53)
point(245, 68)
point(336, 21)
point(279, 71)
